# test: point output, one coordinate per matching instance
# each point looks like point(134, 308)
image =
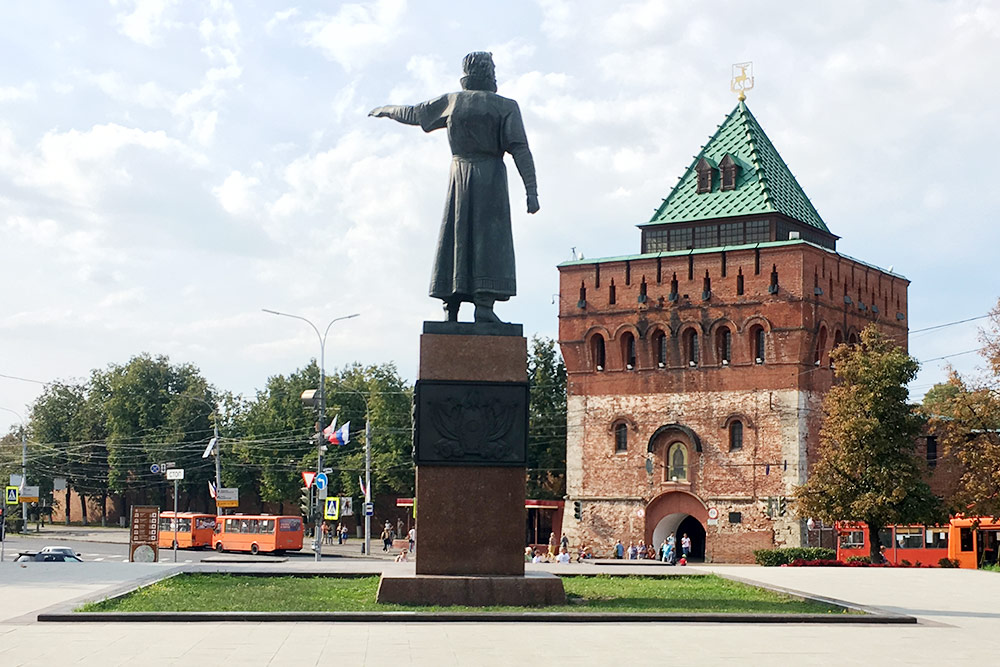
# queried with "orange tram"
point(256, 533)
point(970, 541)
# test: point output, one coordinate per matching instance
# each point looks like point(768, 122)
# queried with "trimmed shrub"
point(785, 555)
point(948, 562)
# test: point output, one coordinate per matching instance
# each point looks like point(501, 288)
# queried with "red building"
point(696, 368)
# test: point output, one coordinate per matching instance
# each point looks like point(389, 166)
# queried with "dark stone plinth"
point(534, 589)
point(470, 521)
point(473, 328)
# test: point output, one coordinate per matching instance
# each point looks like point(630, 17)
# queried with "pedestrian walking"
point(386, 538)
point(686, 546)
point(618, 550)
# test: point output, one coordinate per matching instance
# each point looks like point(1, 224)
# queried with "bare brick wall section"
point(631, 494)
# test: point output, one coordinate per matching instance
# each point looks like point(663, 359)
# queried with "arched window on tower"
point(621, 437)
point(757, 340)
point(820, 347)
point(660, 348)
point(852, 339)
point(691, 347)
point(724, 345)
point(677, 462)
point(628, 350)
point(736, 436)
point(597, 352)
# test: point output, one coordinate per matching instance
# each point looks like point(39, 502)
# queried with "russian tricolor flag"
point(341, 436)
point(330, 430)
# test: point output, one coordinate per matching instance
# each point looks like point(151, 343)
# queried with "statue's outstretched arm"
point(402, 113)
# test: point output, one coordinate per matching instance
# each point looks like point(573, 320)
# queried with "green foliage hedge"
point(784, 556)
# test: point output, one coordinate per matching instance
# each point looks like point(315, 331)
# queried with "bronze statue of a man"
point(475, 253)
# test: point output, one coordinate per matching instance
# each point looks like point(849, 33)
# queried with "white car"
point(66, 551)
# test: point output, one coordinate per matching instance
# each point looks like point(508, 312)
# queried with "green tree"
point(59, 443)
point(273, 437)
point(157, 412)
point(965, 415)
point(389, 401)
point(546, 420)
point(868, 469)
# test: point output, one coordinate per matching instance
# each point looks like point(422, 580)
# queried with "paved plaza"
point(958, 611)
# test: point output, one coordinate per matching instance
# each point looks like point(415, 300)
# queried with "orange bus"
point(194, 530)
point(971, 541)
point(258, 533)
point(974, 541)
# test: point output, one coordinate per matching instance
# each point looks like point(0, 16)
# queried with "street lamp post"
point(24, 468)
point(317, 538)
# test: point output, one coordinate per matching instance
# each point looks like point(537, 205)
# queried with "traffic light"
point(578, 510)
point(305, 504)
point(782, 505)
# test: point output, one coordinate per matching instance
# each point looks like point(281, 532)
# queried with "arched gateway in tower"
point(697, 367)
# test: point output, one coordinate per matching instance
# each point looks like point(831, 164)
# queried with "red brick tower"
point(697, 368)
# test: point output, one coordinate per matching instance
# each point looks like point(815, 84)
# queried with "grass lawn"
point(226, 592)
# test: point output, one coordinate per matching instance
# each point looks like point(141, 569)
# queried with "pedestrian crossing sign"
point(331, 509)
point(12, 495)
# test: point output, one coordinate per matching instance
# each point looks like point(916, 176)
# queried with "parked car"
point(59, 550)
point(39, 557)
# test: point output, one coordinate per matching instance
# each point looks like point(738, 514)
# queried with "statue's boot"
point(451, 310)
point(484, 311)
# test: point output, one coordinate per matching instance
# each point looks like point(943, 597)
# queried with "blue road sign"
point(369, 509)
point(321, 481)
point(155, 469)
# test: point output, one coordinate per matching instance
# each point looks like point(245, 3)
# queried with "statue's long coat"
point(475, 253)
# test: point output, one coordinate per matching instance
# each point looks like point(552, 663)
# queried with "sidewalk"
point(57, 531)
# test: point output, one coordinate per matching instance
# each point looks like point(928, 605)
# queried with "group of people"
point(667, 552)
point(340, 532)
point(391, 533)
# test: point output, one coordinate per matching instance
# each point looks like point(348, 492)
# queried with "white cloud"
point(147, 20)
point(18, 93)
point(80, 165)
point(281, 17)
point(236, 194)
point(355, 33)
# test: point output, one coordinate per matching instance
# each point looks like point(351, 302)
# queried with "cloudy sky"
point(169, 168)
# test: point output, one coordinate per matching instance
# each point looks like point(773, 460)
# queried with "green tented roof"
point(764, 183)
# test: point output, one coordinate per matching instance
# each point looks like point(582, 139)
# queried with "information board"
point(143, 544)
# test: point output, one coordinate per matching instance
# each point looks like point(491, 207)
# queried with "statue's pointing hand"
point(379, 112)
point(533, 204)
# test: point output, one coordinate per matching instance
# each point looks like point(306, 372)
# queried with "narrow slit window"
point(621, 438)
point(735, 436)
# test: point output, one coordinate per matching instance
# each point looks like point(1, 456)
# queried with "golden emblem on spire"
point(742, 80)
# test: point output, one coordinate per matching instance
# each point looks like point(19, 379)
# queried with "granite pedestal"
point(470, 449)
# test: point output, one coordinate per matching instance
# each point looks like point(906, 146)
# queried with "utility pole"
point(176, 520)
point(318, 537)
point(24, 478)
point(368, 485)
point(218, 461)
point(318, 523)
